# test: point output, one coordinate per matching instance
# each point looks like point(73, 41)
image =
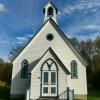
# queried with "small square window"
point(45, 90)
point(53, 77)
point(45, 77)
point(53, 90)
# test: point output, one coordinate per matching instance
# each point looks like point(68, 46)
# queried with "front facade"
point(49, 64)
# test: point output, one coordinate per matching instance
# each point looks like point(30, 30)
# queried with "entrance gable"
point(49, 65)
point(49, 56)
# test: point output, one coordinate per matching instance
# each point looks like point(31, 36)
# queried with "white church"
point(49, 67)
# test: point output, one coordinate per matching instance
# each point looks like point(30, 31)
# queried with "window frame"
point(49, 36)
point(53, 81)
point(74, 71)
point(50, 12)
point(46, 83)
point(24, 69)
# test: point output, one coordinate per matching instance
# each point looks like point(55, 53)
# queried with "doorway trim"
point(49, 70)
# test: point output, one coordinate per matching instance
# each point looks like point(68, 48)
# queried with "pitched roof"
point(66, 40)
point(56, 58)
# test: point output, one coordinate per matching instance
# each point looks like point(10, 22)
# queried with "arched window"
point(50, 11)
point(24, 70)
point(74, 73)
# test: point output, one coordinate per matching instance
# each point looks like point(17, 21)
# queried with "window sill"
point(74, 77)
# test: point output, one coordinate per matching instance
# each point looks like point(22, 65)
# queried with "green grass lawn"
point(5, 91)
point(93, 94)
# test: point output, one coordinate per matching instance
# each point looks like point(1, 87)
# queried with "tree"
point(5, 72)
point(95, 63)
point(86, 48)
point(83, 49)
point(1, 60)
point(96, 79)
point(14, 52)
point(75, 42)
point(89, 47)
point(97, 45)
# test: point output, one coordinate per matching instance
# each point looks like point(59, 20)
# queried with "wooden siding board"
point(37, 48)
point(36, 73)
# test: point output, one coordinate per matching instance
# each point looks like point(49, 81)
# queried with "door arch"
point(49, 78)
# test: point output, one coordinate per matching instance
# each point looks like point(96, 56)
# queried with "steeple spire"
point(50, 10)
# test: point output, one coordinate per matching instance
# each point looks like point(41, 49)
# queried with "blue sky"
point(20, 19)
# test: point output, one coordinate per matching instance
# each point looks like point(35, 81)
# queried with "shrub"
point(96, 80)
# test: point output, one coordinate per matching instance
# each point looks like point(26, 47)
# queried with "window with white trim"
point(74, 73)
point(24, 69)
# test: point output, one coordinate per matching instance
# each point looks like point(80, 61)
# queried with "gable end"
point(66, 40)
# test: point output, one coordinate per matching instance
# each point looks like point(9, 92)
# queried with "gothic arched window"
point(24, 69)
point(74, 73)
point(50, 11)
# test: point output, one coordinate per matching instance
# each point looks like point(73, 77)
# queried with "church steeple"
point(50, 10)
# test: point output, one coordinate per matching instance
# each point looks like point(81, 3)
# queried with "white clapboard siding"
point(36, 74)
point(79, 84)
point(37, 48)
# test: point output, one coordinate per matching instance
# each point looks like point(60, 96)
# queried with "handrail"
point(27, 94)
point(63, 95)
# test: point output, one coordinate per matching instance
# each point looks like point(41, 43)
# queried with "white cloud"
point(86, 5)
point(91, 27)
point(29, 35)
point(59, 14)
point(19, 42)
point(91, 36)
point(2, 7)
point(21, 38)
point(4, 42)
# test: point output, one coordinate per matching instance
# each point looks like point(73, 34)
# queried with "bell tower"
point(50, 10)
